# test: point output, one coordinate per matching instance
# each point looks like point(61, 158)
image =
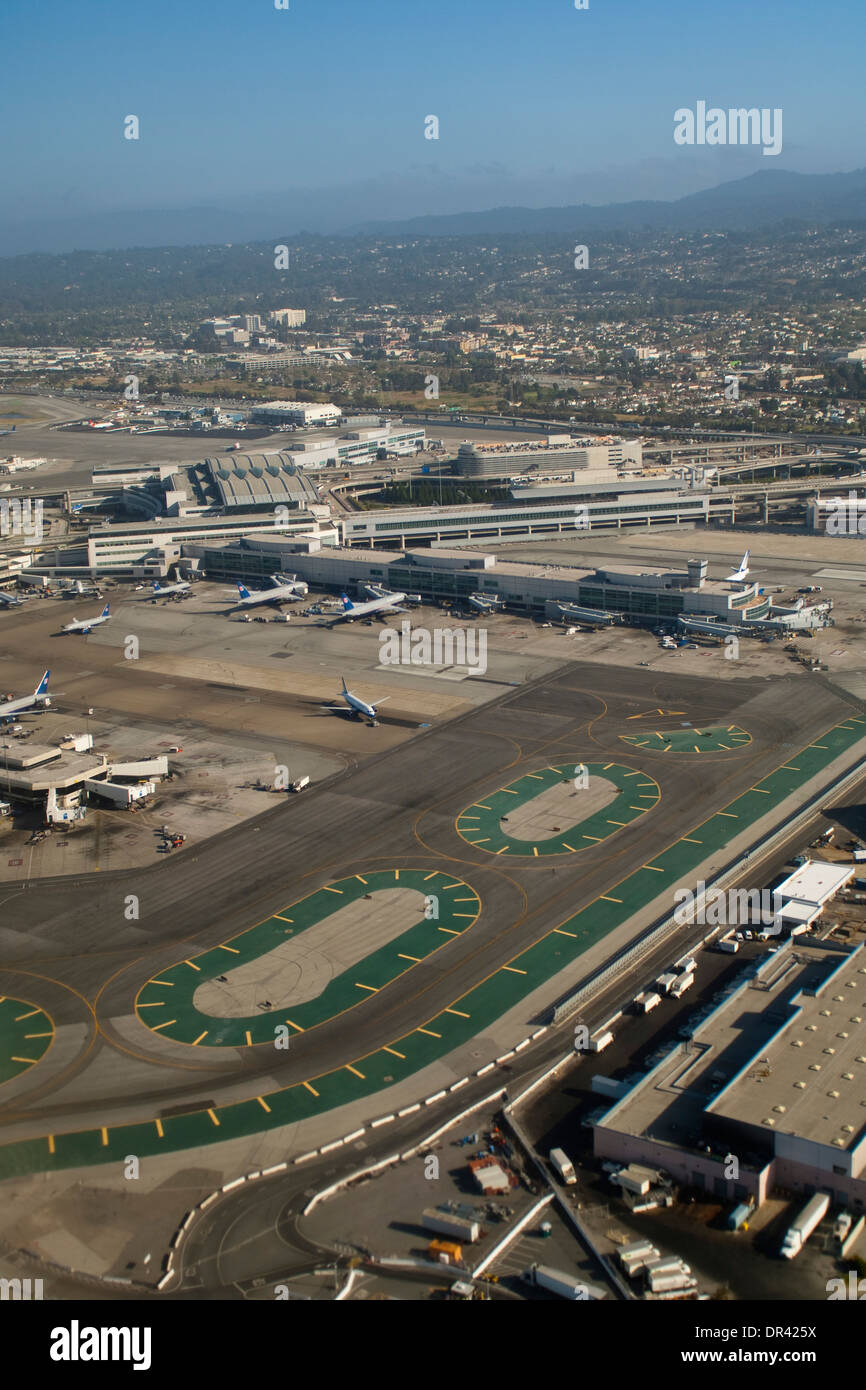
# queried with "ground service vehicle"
point(729, 945)
point(804, 1224)
point(563, 1165)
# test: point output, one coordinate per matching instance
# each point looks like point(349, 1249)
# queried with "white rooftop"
point(815, 882)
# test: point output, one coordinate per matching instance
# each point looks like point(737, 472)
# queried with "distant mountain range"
point(763, 199)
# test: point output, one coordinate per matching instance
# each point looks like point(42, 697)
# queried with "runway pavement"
point(71, 948)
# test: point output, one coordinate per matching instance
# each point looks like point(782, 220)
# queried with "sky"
point(316, 114)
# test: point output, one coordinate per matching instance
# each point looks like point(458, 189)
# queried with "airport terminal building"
point(441, 575)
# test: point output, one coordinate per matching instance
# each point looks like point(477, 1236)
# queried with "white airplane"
point(356, 705)
point(85, 624)
point(10, 600)
point(289, 592)
point(389, 603)
point(739, 575)
point(180, 587)
point(10, 708)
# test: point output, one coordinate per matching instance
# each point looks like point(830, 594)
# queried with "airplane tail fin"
point(155, 586)
point(106, 612)
point(243, 591)
point(347, 603)
point(745, 564)
point(345, 687)
point(43, 684)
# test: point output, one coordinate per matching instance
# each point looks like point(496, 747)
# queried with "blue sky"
point(538, 103)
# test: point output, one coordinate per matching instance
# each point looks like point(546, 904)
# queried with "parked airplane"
point(358, 706)
point(10, 708)
point(85, 624)
point(289, 592)
point(10, 600)
point(739, 575)
point(78, 589)
point(389, 603)
point(180, 587)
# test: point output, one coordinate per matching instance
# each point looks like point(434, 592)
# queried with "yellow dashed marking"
point(607, 899)
point(234, 950)
point(104, 1133)
point(415, 959)
point(512, 969)
point(559, 932)
point(312, 1090)
point(214, 1117)
point(429, 1032)
point(204, 1035)
point(159, 1128)
point(193, 967)
point(355, 1072)
point(263, 1103)
point(371, 988)
point(155, 1027)
point(457, 1012)
point(394, 1053)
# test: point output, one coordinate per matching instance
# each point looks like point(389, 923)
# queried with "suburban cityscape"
point(429, 873)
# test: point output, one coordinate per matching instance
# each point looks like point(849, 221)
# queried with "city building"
point(288, 318)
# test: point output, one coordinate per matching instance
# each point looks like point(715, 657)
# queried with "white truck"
point(729, 945)
point(804, 1224)
point(563, 1165)
point(666, 982)
point(646, 1000)
point(543, 1277)
point(600, 1042)
point(299, 784)
point(681, 984)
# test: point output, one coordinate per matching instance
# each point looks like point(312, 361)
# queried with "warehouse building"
point(295, 413)
point(774, 1076)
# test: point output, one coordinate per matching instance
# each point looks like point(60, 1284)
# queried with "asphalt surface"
point(70, 944)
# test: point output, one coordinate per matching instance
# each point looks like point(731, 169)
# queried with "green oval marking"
point(166, 1005)
point(712, 738)
point(26, 1033)
point(480, 824)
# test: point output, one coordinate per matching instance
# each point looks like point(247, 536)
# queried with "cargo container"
point(687, 966)
point(738, 1218)
point(728, 944)
point(563, 1165)
point(682, 983)
point(446, 1224)
point(299, 784)
point(566, 1285)
point(445, 1252)
point(804, 1224)
point(646, 1000)
point(665, 982)
point(599, 1043)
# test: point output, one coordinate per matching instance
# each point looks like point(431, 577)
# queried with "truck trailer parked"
point(543, 1277)
point(804, 1224)
point(563, 1165)
point(444, 1224)
point(681, 984)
